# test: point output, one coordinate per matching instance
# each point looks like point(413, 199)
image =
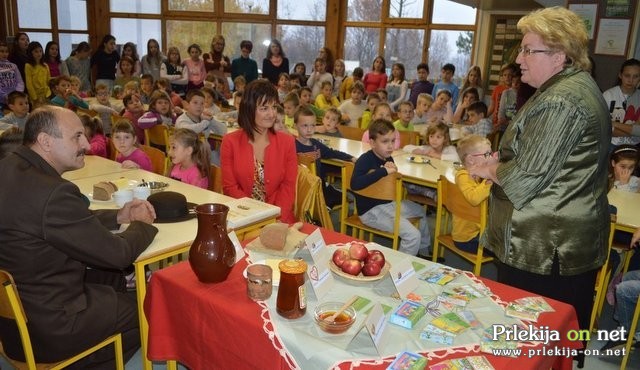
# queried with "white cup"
point(123, 196)
point(454, 133)
point(141, 192)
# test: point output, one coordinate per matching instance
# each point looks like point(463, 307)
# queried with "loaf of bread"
point(103, 190)
point(274, 236)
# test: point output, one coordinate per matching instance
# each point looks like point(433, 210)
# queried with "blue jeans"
point(627, 293)
point(412, 240)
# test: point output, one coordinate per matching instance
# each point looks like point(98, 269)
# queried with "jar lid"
point(293, 266)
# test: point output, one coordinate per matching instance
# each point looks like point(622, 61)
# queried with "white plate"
point(90, 195)
point(419, 159)
point(271, 262)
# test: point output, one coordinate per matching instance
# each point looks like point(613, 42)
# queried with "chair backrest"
point(387, 188)
point(455, 202)
point(408, 138)
point(88, 112)
point(307, 185)
point(353, 133)
point(11, 308)
point(308, 160)
point(157, 135)
point(158, 159)
point(215, 178)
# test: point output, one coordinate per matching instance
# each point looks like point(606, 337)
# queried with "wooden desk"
point(203, 324)
point(95, 166)
point(628, 204)
point(421, 173)
point(172, 238)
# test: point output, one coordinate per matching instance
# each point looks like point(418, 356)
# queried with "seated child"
point(624, 160)
point(64, 95)
point(508, 102)
point(405, 114)
point(279, 125)
point(162, 84)
point(283, 86)
point(146, 88)
point(190, 158)
point(131, 87)
point(95, 136)
point(438, 144)
point(290, 105)
point(325, 99)
point(440, 108)
point(383, 111)
point(305, 100)
point(473, 150)
point(469, 96)
point(347, 84)
point(371, 167)
point(478, 124)
point(104, 107)
point(383, 94)
point(352, 109)
point(75, 87)
point(372, 100)
point(239, 83)
point(160, 111)
point(18, 103)
point(306, 125)
point(124, 139)
point(210, 107)
point(133, 110)
point(330, 123)
point(197, 120)
point(423, 104)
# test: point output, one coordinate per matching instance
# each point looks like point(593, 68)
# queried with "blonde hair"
point(440, 127)
point(426, 97)
point(200, 154)
point(470, 143)
point(560, 30)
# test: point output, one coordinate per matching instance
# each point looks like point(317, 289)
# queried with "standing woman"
point(275, 63)
point(79, 65)
point(152, 62)
point(548, 211)
point(106, 60)
point(397, 86)
point(325, 54)
point(18, 55)
point(216, 61)
point(52, 58)
point(257, 161)
point(37, 75)
point(376, 78)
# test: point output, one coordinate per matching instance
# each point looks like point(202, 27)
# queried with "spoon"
point(333, 317)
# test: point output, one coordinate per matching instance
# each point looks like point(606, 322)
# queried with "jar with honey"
point(292, 298)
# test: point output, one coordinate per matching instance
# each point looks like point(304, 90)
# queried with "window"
point(181, 34)
point(363, 55)
point(138, 31)
point(301, 44)
point(307, 11)
point(450, 47)
point(137, 7)
point(259, 34)
point(404, 46)
point(449, 12)
point(247, 6)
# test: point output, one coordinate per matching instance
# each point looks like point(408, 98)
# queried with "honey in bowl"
point(341, 323)
point(342, 318)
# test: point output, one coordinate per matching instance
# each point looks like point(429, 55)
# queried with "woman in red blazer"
point(257, 161)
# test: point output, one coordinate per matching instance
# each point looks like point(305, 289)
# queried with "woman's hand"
point(136, 210)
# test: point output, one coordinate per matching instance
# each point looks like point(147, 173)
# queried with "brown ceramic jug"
point(212, 253)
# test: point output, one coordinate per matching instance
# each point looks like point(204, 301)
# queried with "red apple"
point(352, 266)
point(375, 256)
point(339, 256)
point(371, 269)
point(358, 251)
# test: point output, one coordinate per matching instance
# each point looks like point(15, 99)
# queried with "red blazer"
point(280, 170)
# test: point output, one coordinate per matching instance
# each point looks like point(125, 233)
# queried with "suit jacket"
point(48, 237)
point(280, 169)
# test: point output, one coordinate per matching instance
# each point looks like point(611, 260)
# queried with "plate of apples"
point(356, 262)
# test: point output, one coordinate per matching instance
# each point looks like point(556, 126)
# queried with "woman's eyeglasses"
point(485, 154)
point(527, 52)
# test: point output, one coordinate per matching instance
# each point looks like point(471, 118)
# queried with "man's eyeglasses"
point(485, 154)
point(526, 51)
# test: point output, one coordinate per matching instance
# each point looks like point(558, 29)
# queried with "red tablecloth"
point(216, 326)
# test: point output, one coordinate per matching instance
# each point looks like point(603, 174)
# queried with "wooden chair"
point(88, 112)
point(308, 160)
point(310, 202)
point(630, 336)
point(158, 159)
point(215, 178)
point(157, 136)
point(111, 149)
point(450, 202)
point(353, 133)
point(11, 309)
point(387, 188)
point(602, 281)
point(409, 138)
point(494, 138)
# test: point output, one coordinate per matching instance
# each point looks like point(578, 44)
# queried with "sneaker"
point(613, 345)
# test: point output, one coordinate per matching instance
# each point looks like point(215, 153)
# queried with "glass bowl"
point(155, 186)
point(340, 324)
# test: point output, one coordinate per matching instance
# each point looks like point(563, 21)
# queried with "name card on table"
point(404, 277)
point(238, 247)
point(376, 324)
point(318, 272)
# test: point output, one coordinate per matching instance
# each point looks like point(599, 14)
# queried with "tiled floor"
point(488, 271)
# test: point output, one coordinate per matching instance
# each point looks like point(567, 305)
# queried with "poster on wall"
point(612, 36)
point(618, 8)
point(588, 13)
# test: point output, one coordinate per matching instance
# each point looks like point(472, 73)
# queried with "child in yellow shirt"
point(472, 150)
point(325, 99)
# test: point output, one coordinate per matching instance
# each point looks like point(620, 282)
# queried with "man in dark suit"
point(48, 237)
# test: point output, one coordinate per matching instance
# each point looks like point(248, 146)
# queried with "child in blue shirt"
point(446, 83)
point(305, 121)
point(371, 167)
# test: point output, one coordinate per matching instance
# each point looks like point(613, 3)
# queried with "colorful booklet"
point(436, 335)
point(450, 322)
point(465, 363)
point(440, 275)
point(488, 344)
point(408, 361)
point(407, 314)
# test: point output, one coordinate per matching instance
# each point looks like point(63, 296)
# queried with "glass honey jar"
point(292, 298)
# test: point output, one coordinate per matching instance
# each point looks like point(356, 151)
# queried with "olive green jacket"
point(553, 176)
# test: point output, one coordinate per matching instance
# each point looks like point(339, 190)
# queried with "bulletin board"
point(503, 47)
